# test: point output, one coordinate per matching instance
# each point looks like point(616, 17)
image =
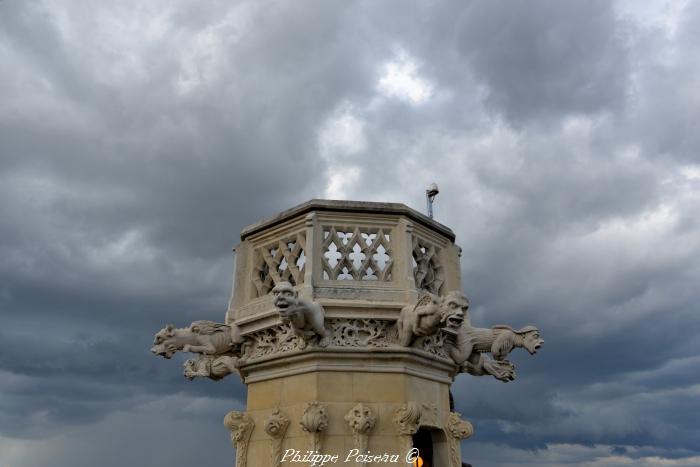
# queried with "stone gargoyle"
point(473, 343)
point(428, 315)
point(500, 340)
point(306, 318)
point(203, 337)
point(212, 367)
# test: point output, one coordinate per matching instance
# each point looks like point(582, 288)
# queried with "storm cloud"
point(138, 139)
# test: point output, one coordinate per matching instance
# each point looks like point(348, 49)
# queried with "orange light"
point(418, 462)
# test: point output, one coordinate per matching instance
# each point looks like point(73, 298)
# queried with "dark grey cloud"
point(137, 140)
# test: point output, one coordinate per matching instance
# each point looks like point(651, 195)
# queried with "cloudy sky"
point(138, 138)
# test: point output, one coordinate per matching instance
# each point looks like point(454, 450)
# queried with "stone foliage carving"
point(314, 421)
point(361, 420)
point(207, 366)
point(360, 333)
point(407, 421)
point(281, 261)
point(356, 254)
point(271, 341)
point(241, 427)
point(307, 318)
point(407, 418)
point(204, 337)
point(276, 427)
point(457, 429)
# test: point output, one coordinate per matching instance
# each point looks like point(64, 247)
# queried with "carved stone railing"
point(282, 260)
point(354, 253)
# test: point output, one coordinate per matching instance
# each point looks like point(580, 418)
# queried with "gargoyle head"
point(455, 308)
point(163, 343)
point(285, 297)
point(531, 339)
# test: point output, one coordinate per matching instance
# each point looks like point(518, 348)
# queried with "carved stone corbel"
point(361, 420)
point(276, 427)
point(457, 429)
point(407, 421)
point(240, 424)
point(314, 421)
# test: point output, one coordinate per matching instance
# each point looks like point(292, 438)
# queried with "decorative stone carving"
point(360, 333)
point(271, 341)
point(361, 420)
point(276, 427)
point(407, 421)
point(306, 318)
point(500, 340)
point(241, 427)
point(281, 261)
point(471, 343)
point(421, 319)
point(214, 368)
point(457, 429)
point(436, 344)
point(427, 272)
point(314, 421)
point(429, 314)
point(205, 337)
point(356, 254)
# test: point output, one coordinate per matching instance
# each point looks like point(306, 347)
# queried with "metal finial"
point(430, 195)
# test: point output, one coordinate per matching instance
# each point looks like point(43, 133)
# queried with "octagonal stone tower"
point(362, 262)
point(348, 326)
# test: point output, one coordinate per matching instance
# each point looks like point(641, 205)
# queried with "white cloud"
point(400, 79)
point(341, 136)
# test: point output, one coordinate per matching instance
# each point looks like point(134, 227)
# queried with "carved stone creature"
point(472, 343)
point(205, 337)
point(307, 318)
point(214, 368)
point(429, 314)
point(500, 340)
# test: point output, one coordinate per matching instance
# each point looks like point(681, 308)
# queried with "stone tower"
point(348, 326)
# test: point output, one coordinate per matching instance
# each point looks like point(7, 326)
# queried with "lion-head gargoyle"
point(205, 337)
point(307, 318)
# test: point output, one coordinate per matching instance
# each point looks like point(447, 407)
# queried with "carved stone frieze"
point(271, 341)
point(276, 427)
point(361, 333)
point(435, 344)
point(241, 425)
